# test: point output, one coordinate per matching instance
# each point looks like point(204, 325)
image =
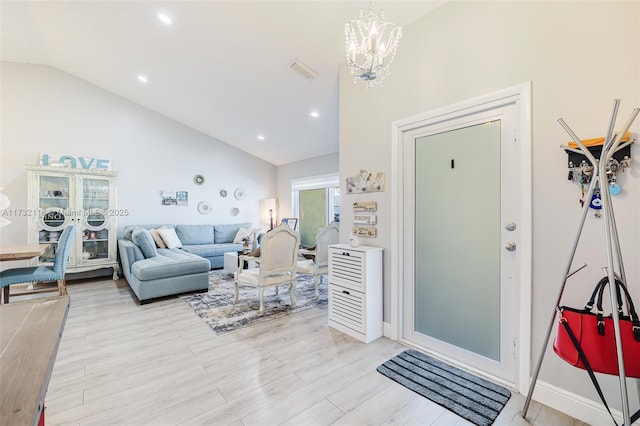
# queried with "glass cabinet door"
point(53, 212)
point(95, 220)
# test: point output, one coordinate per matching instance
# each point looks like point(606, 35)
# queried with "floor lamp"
point(268, 207)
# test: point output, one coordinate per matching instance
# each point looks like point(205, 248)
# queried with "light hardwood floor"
point(158, 364)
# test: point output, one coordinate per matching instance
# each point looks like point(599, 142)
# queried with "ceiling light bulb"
point(143, 78)
point(261, 137)
point(165, 18)
point(314, 114)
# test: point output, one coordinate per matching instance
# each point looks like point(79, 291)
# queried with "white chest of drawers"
point(355, 291)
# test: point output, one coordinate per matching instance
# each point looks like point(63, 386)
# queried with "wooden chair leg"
point(315, 283)
point(293, 292)
point(261, 292)
point(62, 287)
point(5, 292)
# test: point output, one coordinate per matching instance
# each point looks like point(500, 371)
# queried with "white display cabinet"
point(355, 290)
point(60, 196)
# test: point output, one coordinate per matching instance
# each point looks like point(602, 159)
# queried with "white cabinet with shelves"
point(85, 198)
point(355, 291)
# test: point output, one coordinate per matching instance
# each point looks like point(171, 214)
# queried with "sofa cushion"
point(170, 238)
point(156, 236)
point(242, 233)
point(144, 240)
point(195, 234)
point(226, 233)
point(169, 263)
point(212, 250)
point(128, 229)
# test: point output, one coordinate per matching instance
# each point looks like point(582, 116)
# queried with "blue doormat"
point(471, 397)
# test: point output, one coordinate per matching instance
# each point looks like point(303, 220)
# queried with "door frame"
point(520, 95)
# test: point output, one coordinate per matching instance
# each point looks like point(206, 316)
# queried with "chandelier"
point(371, 46)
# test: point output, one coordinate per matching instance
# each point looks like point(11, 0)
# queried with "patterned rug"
point(217, 310)
point(471, 397)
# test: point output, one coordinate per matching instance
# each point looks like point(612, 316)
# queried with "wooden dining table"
point(21, 252)
point(30, 333)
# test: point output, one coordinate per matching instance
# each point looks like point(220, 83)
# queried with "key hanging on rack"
point(596, 201)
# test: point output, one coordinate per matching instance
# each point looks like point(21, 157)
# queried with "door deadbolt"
point(510, 246)
point(510, 226)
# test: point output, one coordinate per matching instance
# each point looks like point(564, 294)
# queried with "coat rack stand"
point(612, 247)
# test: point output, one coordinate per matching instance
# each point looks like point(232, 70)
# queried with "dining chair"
point(317, 262)
point(41, 273)
point(276, 264)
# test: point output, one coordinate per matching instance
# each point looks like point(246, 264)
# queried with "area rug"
point(469, 396)
point(217, 310)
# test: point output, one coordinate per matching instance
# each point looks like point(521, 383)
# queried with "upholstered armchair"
point(276, 264)
point(317, 262)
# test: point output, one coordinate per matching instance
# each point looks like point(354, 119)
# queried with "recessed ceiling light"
point(314, 114)
point(143, 78)
point(166, 19)
point(261, 137)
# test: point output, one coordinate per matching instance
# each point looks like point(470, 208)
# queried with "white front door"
point(462, 212)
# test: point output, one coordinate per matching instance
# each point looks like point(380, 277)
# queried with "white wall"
point(47, 110)
point(579, 56)
point(318, 166)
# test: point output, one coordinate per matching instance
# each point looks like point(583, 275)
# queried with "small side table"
point(231, 262)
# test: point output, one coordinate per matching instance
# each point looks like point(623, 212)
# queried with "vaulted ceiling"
point(220, 67)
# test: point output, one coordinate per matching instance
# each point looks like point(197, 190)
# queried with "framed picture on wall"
point(169, 198)
point(182, 198)
point(292, 222)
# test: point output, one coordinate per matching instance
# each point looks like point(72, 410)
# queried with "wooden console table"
point(30, 333)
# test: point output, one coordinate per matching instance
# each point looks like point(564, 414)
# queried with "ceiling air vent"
point(303, 69)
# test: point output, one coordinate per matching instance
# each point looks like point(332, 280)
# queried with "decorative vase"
point(355, 241)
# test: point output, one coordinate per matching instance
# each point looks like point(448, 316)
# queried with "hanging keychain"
point(596, 201)
point(612, 171)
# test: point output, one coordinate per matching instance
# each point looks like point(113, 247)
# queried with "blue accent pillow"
point(144, 240)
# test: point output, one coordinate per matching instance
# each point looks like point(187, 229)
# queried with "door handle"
point(510, 246)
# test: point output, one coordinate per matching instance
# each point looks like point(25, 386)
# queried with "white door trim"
point(521, 94)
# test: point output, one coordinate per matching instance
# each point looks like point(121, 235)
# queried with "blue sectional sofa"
point(154, 272)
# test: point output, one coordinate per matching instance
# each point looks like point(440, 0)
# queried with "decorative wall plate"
point(198, 179)
point(204, 207)
point(234, 211)
point(240, 193)
point(223, 193)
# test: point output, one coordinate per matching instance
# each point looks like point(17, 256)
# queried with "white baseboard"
point(573, 405)
point(387, 330)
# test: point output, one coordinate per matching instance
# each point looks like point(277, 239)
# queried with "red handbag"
point(594, 335)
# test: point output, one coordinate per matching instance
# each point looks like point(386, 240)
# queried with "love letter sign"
point(74, 162)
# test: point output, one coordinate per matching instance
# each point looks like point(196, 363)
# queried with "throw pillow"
point(170, 238)
point(144, 240)
point(242, 233)
point(157, 238)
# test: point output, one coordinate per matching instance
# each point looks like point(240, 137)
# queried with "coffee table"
point(231, 262)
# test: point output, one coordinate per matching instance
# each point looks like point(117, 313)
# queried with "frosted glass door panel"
point(457, 249)
point(313, 214)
